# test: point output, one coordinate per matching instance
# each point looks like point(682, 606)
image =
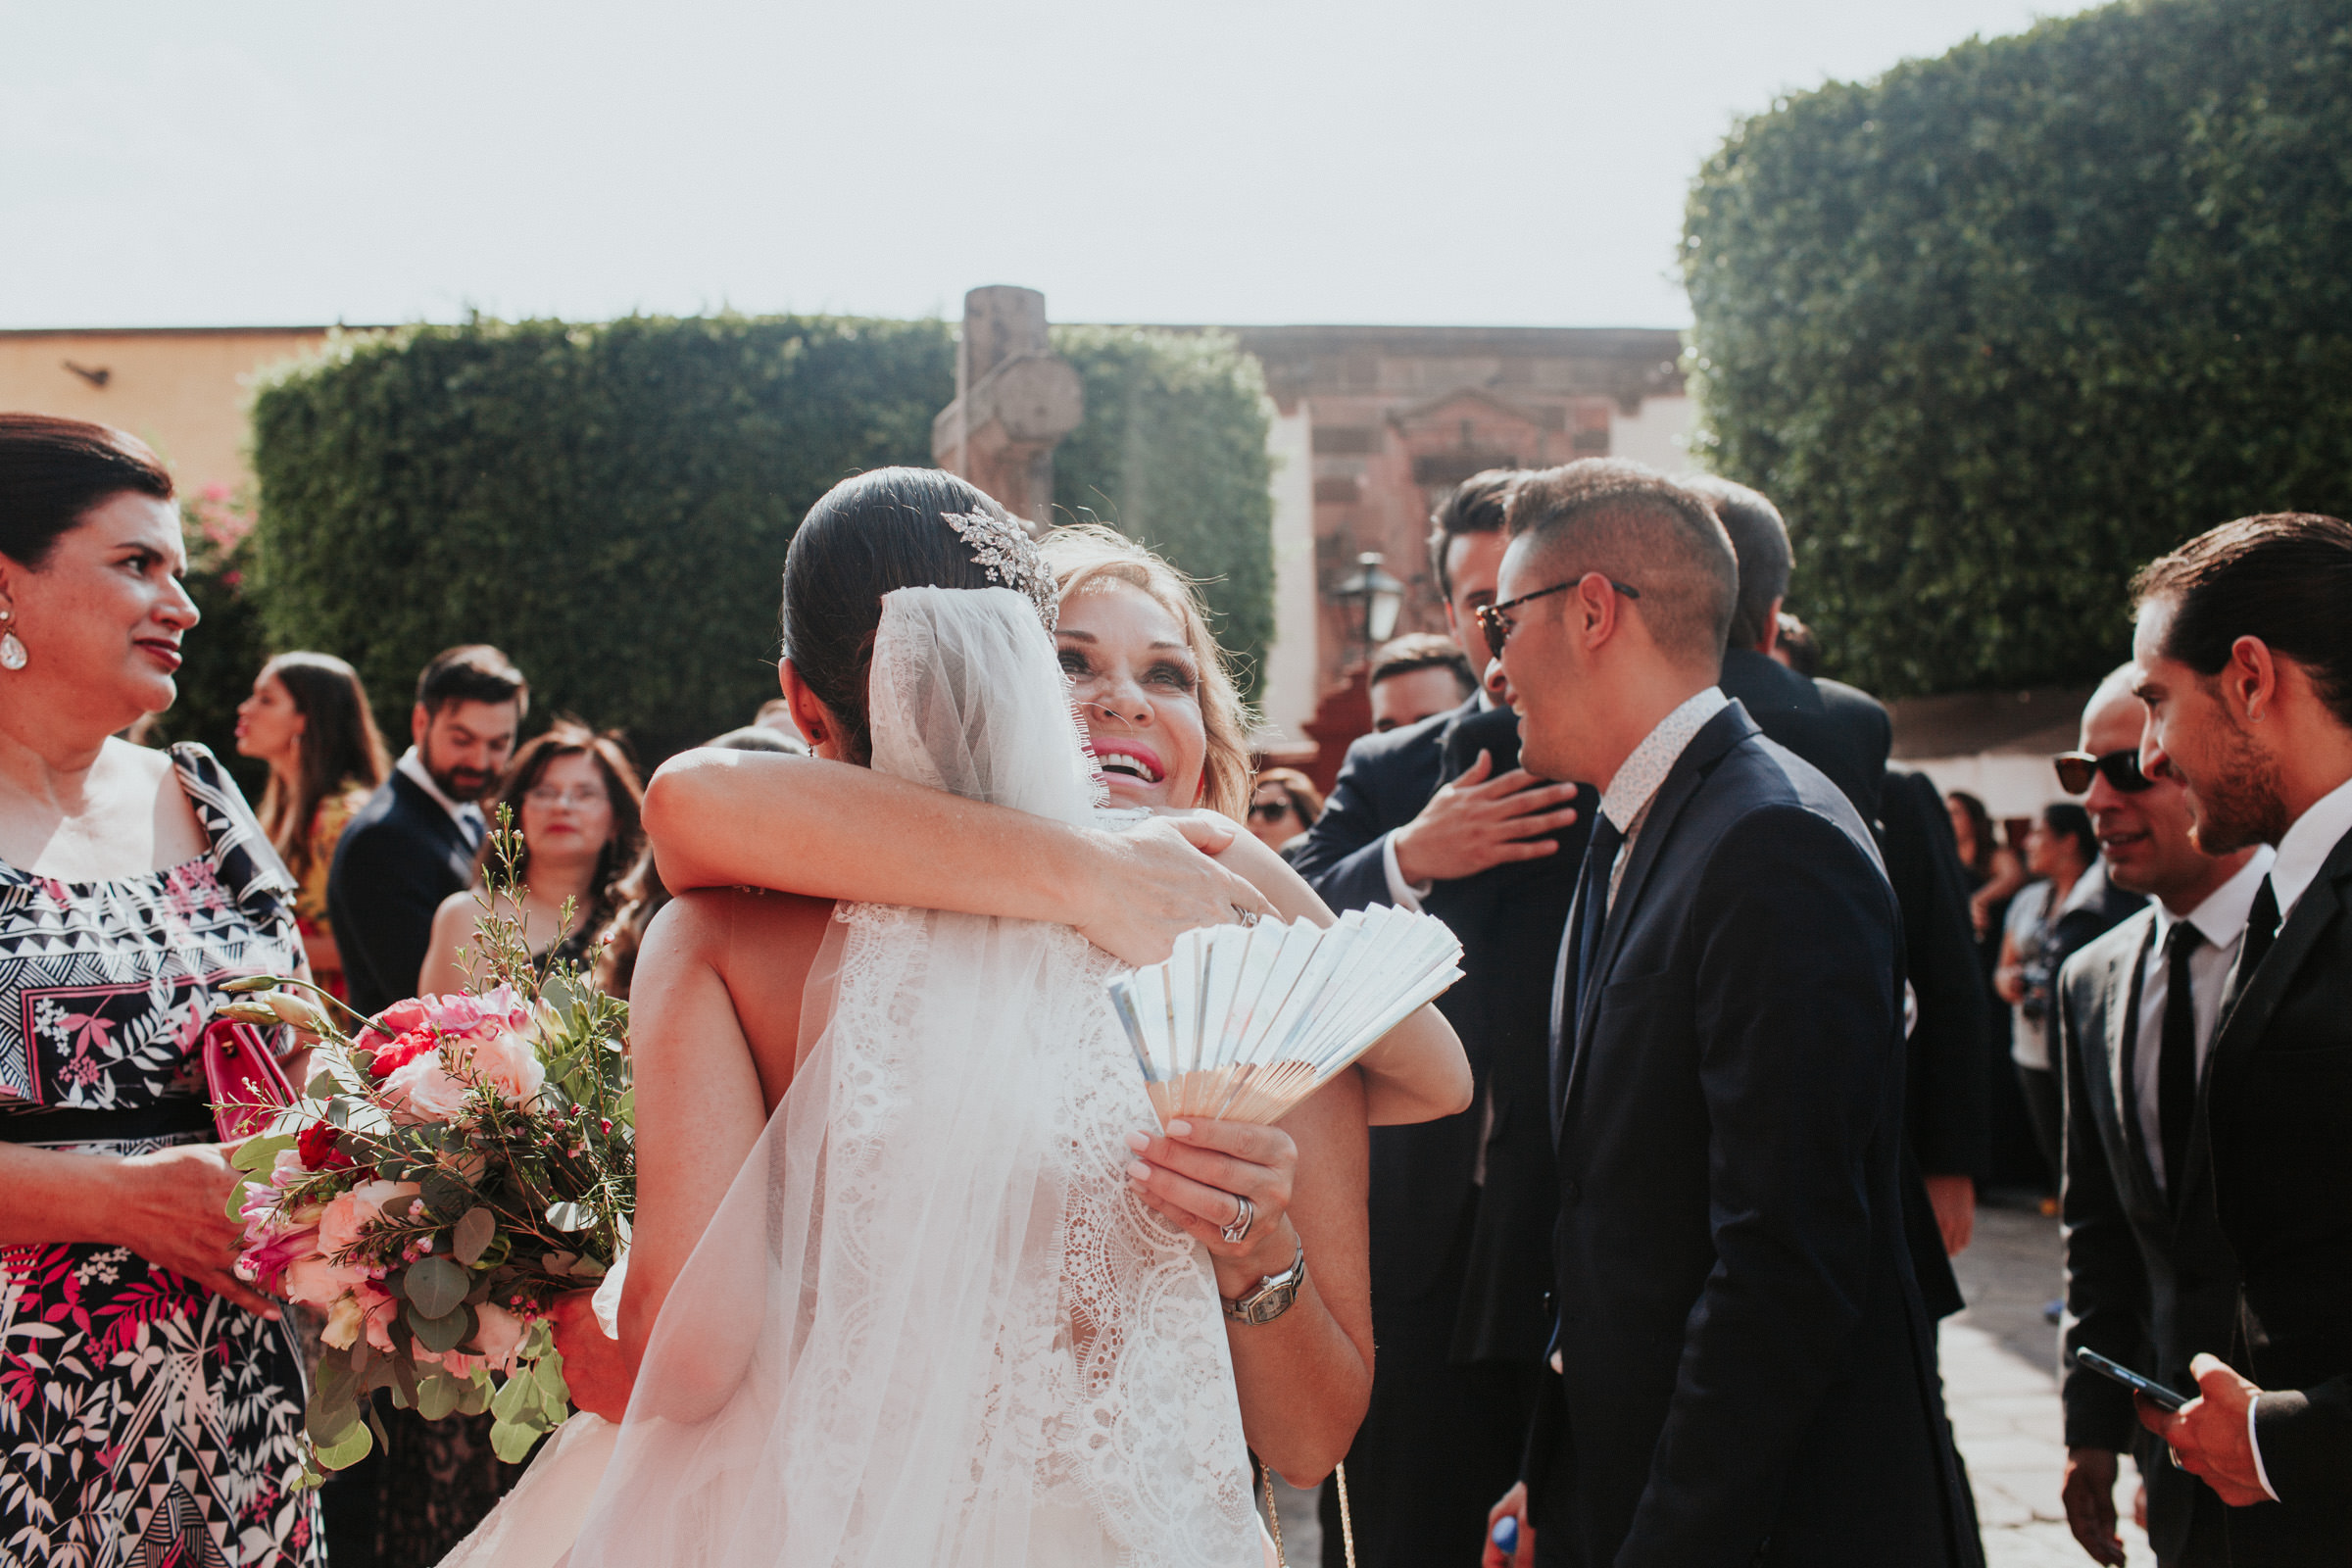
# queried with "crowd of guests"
point(1666, 1288)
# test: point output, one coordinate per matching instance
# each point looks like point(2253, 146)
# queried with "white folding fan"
point(1240, 1023)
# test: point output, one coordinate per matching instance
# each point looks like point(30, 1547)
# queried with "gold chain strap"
point(1274, 1518)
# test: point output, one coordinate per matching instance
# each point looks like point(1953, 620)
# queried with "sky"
point(1238, 162)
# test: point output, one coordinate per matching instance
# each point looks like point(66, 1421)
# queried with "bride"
point(897, 1288)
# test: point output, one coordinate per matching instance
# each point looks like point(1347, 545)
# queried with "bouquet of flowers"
point(454, 1163)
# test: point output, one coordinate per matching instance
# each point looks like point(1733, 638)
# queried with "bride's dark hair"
point(866, 537)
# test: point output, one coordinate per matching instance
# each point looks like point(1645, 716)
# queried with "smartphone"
point(2158, 1395)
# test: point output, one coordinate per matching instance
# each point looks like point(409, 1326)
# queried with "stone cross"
point(1015, 399)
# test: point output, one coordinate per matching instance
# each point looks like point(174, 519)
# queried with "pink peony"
point(509, 1064)
point(422, 1091)
point(320, 1281)
point(349, 1213)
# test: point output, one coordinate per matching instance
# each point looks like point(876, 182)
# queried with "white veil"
point(928, 1324)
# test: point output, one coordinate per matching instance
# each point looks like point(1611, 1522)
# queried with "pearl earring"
point(12, 652)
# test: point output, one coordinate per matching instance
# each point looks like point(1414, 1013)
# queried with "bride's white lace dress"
point(929, 1324)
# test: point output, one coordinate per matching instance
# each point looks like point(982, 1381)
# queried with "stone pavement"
point(2002, 1387)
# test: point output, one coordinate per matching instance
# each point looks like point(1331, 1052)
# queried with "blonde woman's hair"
point(1087, 552)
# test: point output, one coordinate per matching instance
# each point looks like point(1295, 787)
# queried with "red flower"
point(390, 1059)
point(317, 1146)
point(400, 1018)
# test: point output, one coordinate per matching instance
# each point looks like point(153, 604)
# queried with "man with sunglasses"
point(2149, 1277)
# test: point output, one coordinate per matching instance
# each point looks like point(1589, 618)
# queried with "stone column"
point(1015, 399)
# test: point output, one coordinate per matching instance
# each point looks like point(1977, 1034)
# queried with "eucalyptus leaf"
point(439, 1334)
point(435, 1286)
point(438, 1394)
point(472, 1232)
point(554, 1395)
point(261, 1154)
point(511, 1442)
point(513, 1398)
point(347, 1450)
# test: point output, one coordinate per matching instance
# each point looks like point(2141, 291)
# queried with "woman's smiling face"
point(1138, 689)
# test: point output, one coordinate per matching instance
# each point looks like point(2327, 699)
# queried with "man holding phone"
point(2149, 1278)
point(1437, 815)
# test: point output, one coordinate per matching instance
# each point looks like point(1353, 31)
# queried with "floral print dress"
point(144, 1421)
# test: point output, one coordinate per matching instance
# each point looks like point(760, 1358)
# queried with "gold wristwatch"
point(1272, 1297)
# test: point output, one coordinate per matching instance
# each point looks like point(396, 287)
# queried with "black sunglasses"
point(1498, 626)
point(2076, 769)
point(1270, 810)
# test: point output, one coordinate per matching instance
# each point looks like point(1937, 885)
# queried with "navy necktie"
point(2176, 1057)
point(1592, 907)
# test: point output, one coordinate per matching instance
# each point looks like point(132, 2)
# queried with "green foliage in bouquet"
point(455, 1163)
point(1173, 451)
point(1999, 326)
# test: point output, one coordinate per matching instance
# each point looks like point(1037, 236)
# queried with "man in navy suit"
point(1745, 1367)
point(413, 843)
point(2243, 658)
point(1437, 815)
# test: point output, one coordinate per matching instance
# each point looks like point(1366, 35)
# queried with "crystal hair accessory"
point(1004, 551)
point(1242, 1022)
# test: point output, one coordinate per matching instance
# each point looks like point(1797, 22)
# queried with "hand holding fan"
point(1240, 1023)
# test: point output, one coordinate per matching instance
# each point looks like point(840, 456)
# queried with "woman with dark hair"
point(152, 1400)
point(1284, 803)
point(308, 718)
point(1007, 1348)
point(575, 800)
point(2050, 918)
point(1993, 870)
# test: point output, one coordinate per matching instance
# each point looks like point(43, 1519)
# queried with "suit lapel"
point(1717, 736)
point(2259, 994)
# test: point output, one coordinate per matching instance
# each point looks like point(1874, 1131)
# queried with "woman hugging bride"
point(917, 1278)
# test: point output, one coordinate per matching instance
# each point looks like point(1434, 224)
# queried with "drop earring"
point(12, 652)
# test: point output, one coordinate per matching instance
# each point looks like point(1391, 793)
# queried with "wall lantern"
point(1380, 595)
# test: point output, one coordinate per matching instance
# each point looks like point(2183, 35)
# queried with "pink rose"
point(422, 1091)
point(349, 1213)
point(510, 1065)
point(321, 1282)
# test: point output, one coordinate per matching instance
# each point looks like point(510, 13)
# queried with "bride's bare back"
point(717, 1012)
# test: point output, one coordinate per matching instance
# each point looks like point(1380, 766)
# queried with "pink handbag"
point(243, 1079)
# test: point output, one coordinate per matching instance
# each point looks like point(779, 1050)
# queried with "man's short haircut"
point(1638, 528)
point(1801, 644)
point(1475, 506)
point(1422, 650)
point(2284, 576)
point(1761, 541)
point(472, 672)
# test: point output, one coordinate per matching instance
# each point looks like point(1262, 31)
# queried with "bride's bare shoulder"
point(723, 965)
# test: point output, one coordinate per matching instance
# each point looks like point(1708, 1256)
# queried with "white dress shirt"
point(2222, 921)
point(467, 815)
point(1626, 802)
point(2305, 847)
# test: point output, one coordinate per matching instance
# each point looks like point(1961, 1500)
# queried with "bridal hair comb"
point(1004, 549)
point(1240, 1023)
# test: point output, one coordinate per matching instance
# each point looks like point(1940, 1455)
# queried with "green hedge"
point(1999, 326)
point(227, 648)
point(1173, 451)
point(610, 505)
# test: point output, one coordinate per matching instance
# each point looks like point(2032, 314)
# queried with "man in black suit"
point(1745, 1367)
point(1460, 1208)
point(1847, 735)
point(2243, 657)
point(413, 843)
point(2149, 1280)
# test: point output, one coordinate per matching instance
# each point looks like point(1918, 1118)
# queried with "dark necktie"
point(2176, 1057)
point(1593, 909)
point(2262, 929)
point(474, 830)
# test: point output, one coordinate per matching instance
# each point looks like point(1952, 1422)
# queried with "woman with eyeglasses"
point(1283, 805)
point(577, 803)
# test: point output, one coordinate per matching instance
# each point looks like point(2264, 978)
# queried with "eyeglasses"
point(1270, 811)
point(577, 796)
point(1498, 626)
point(2121, 769)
